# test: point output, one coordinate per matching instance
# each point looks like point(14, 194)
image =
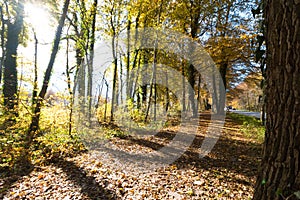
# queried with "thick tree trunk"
point(10, 87)
point(222, 98)
point(279, 175)
point(191, 91)
point(2, 41)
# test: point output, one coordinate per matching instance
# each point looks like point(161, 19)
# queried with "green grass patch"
point(250, 126)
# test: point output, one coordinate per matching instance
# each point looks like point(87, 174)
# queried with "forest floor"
point(227, 172)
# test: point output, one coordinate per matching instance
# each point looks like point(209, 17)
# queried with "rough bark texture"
point(10, 87)
point(279, 176)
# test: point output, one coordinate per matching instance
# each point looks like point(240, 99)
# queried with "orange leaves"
point(227, 173)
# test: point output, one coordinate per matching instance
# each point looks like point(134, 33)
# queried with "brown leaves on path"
point(228, 172)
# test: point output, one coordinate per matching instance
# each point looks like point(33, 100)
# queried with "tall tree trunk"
point(191, 91)
point(128, 94)
point(199, 93)
point(136, 61)
point(195, 17)
point(223, 71)
point(279, 174)
point(68, 73)
point(34, 125)
point(2, 41)
point(91, 60)
point(183, 89)
point(35, 82)
point(114, 88)
point(10, 87)
point(144, 86)
point(167, 92)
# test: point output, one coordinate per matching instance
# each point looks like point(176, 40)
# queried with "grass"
point(250, 126)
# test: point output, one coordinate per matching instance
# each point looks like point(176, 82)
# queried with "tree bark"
point(191, 90)
point(37, 110)
point(91, 59)
point(2, 41)
point(223, 71)
point(279, 174)
point(10, 87)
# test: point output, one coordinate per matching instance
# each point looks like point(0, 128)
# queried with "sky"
point(44, 25)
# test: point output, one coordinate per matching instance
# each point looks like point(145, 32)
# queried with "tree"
point(14, 29)
point(2, 40)
point(34, 125)
point(192, 17)
point(230, 42)
point(279, 174)
point(113, 13)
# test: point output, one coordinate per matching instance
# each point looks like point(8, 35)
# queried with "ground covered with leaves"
point(227, 172)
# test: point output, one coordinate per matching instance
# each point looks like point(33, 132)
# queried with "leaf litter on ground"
point(228, 172)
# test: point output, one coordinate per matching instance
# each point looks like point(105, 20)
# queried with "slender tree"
point(113, 14)
point(279, 174)
point(91, 56)
point(34, 125)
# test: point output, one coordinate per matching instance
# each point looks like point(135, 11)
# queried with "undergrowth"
point(53, 141)
point(250, 126)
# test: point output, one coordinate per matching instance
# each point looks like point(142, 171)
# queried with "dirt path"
point(228, 172)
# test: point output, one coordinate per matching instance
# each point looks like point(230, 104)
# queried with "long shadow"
point(229, 154)
point(88, 184)
point(238, 156)
point(166, 136)
point(8, 176)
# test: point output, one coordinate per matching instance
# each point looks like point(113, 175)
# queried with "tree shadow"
point(229, 154)
point(232, 154)
point(89, 185)
point(8, 176)
point(165, 136)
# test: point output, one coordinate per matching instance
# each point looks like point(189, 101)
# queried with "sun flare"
point(39, 19)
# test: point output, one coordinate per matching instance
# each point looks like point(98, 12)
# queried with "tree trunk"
point(37, 110)
point(91, 60)
point(183, 89)
point(199, 94)
point(279, 174)
point(2, 41)
point(128, 94)
point(191, 91)
point(35, 82)
point(167, 92)
point(114, 88)
point(68, 73)
point(10, 87)
point(222, 98)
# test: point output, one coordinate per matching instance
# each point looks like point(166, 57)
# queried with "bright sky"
point(45, 26)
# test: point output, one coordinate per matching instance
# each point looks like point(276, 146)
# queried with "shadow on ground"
point(89, 185)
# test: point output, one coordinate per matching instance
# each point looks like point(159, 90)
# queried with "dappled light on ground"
point(228, 172)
